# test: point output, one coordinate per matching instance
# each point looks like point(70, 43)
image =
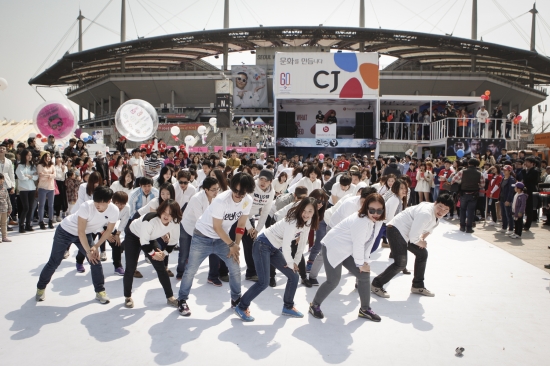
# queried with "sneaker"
point(103, 256)
point(80, 268)
point(501, 230)
point(293, 313)
point(40, 294)
point(313, 281)
point(234, 303)
point(306, 283)
point(455, 217)
point(102, 297)
point(67, 254)
point(224, 278)
point(315, 310)
point(147, 260)
point(308, 266)
point(170, 273)
point(129, 303)
point(244, 314)
point(385, 245)
point(119, 271)
point(406, 271)
point(216, 282)
point(422, 291)
point(272, 282)
point(252, 278)
point(183, 308)
point(368, 314)
point(59, 219)
point(6, 240)
point(172, 301)
point(137, 274)
point(379, 291)
point(491, 223)
point(515, 236)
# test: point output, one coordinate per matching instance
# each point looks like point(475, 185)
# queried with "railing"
point(450, 127)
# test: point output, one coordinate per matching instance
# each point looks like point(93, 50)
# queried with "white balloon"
point(84, 135)
point(201, 130)
point(137, 120)
point(3, 84)
point(175, 130)
point(213, 121)
point(188, 139)
point(32, 135)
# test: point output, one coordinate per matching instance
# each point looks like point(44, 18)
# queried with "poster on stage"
point(475, 146)
point(328, 143)
point(340, 75)
point(325, 131)
point(249, 86)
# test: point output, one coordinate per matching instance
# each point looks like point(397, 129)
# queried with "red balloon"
point(38, 135)
point(519, 118)
point(487, 92)
point(44, 139)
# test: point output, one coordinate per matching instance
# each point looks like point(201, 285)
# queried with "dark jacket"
point(531, 179)
point(506, 190)
point(392, 168)
point(521, 204)
point(470, 180)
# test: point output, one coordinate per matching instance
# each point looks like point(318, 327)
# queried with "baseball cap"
point(508, 168)
point(267, 174)
point(518, 185)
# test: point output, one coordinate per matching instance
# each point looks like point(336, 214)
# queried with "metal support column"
point(474, 31)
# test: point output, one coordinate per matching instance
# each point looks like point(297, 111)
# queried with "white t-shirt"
point(338, 192)
point(149, 207)
point(138, 168)
point(195, 208)
point(223, 207)
point(95, 220)
point(82, 197)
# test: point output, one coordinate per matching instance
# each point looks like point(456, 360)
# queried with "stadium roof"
point(183, 51)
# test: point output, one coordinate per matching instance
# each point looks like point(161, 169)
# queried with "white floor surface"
point(491, 303)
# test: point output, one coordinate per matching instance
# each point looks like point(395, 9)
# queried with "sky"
point(37, 33)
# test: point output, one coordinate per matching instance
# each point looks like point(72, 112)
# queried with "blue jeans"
point(507, 217)
point(436, 192)
point(319, 235)
point(265, 254)
point(202, 247)
point(185, 245)
point(61, 242)
point(42, 195)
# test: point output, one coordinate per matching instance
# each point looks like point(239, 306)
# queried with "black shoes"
point(272, 282)
point(406, 271)
point(469, 231)
point(315, 310)
point(50, 224)
point(42, 225)
point(29, 228)
point(306, 283)
point(22, 230)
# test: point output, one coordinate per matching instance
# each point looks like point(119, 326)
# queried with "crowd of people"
point(287, 213)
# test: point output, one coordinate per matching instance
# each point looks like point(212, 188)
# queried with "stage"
point(487, 301)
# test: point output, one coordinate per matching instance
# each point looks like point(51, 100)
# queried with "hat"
point(154, 156)
point(354, 168)
point(267, 174)
point(508, 168)
point(518, 185)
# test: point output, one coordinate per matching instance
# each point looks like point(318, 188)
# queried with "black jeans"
point(248, 243)
point(132, 247)
point(399, 249)
point(60, 203)
point(117, 254)
point(13, 201)
point(25, 211)
point(529, 212)
point(518, 226)
point(467, 209)
point(492, 208)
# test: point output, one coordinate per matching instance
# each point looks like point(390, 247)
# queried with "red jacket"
point(493, 190)
point(443, 176)
point(343, 165)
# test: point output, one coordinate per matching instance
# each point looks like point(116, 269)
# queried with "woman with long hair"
point(141, 235)
point(60, 201)
point(299, 220)
point(220, 177)
point(46, 189)
point(119, 166)
point(81, 148)
point(86, 190)
point(386, 187)
point(125, 182)
point(310, 180)
point(197, 161)
point(349, 245)
point(280, 184)
point(26, 178)
point(423, 183)
point(165, 176)
point(321, 200)
point(296, 174)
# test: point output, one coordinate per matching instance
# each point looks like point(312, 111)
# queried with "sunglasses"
point(183, 182)
point(373, 211)
point(321, 202)
point(242, 79)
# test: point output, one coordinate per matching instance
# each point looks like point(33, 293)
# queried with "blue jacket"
point(506, 190)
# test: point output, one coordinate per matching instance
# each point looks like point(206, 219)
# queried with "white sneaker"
point(514, 236)
point(491, 223)
point(102, 297)
point(59, 219)
point(509, 233)
point(455, 217)
point(501, 230)
point(103, 256)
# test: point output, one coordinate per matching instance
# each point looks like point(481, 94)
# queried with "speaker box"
point(370, 130)
point(286, 124)
point(364, 125)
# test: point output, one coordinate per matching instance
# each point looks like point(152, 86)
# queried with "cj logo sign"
point(324, 86)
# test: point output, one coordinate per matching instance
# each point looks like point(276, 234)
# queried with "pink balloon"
point(77, 132)
point(322, 156)
point(54, 119)
point(519, 118)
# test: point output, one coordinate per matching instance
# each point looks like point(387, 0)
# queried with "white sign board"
point(325, 130)
point(340, 75)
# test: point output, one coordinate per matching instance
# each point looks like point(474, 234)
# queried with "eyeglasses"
point(183, 182)
point(373, 211)
point(242, 79)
